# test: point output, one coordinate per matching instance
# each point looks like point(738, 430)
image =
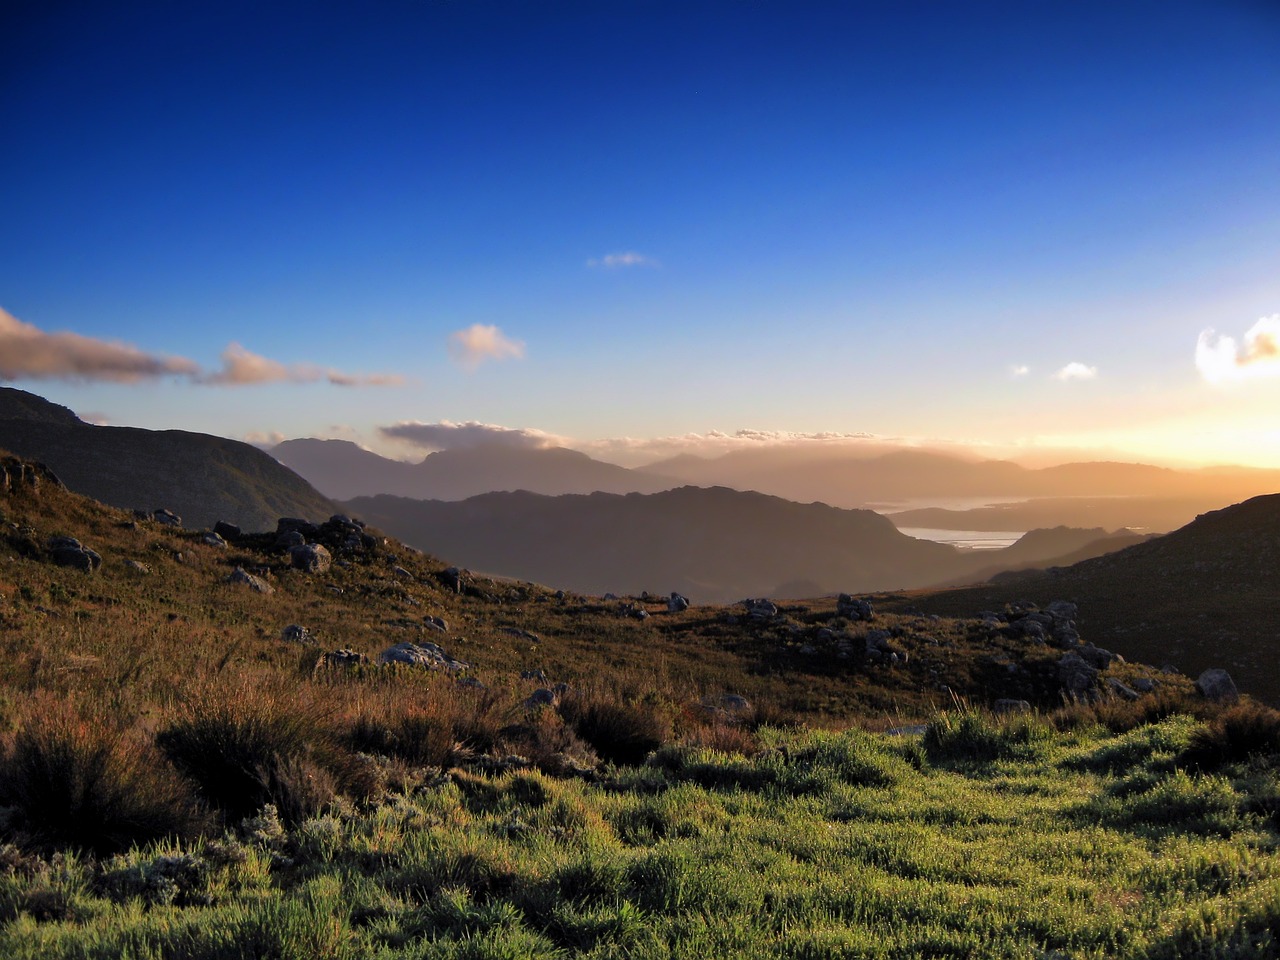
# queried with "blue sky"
point(646, 220)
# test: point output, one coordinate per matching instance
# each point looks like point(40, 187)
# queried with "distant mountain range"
point(1202, 596)
point(202, 478)
point(711, 544)
point(343, 470)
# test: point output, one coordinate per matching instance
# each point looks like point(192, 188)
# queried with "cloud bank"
point(29, 353)
point(446, 435)
point(1076, 371)
point(1221, 360)
point(480, 342)
point(627, 258)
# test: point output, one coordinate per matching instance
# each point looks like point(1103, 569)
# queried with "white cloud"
point(241, 366)
point(27, 352)
point(1220, 359)
point(1076, 371)
point(627, 258)
point(480, 342)
point(447, 435)
point(265, 439)
point(1019, 370)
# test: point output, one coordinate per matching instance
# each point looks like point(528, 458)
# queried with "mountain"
point(343, 470)
point(712, 544)
point(1146, 514)
point(863, 476)
point(1039, 549)
point(1204, 595)
point(201, 478)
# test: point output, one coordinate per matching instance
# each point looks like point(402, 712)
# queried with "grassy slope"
point(972, 841)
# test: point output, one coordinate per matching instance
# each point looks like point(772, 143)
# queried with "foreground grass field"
point(972, 840)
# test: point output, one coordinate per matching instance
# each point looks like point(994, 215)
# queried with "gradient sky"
point(1030, 224)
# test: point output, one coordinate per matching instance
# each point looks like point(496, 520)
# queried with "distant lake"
point(966, 539)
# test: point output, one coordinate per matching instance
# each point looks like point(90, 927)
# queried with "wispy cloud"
point(29, 353)
point(480, 342)
point(627, 258)
point(1220, 359)
point(1019, 370)
point(446, 435)
point(265, 439)
point(241, 367)
point(1076, 371)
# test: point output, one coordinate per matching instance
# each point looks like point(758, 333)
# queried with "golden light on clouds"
point(1221, 360)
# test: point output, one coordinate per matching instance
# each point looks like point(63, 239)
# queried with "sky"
point(1040, 229)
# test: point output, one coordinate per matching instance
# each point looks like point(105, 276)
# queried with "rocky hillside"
point(201, 478)
point(1202, 596)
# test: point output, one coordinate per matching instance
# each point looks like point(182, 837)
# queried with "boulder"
point(760, 608)
point(296, 633)
point(452, 579)
point(257, 584)
point(341, 658)
point(70, 552)
point(310, 558)
point(1122, 690)
point(166, 517)
point(290, 539)
point(1075, 674)
point(422, 655)
point(211, 539)
point(854, 608)
point(1216, 684)
point(677, 603)
point(137, 567)
point(542, 697)
point(1096, 656)
point(1062, 610)
point(304, 527)
point(228, 531)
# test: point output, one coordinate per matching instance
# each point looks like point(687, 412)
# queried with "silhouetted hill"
point(201, 478)
point(1040, 549)
point(343, 470)
point(861, 476)
point(1202, 596)
point(712, 544)
point(1145, 514)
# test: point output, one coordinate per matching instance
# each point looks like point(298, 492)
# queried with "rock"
point(1122, 690)
point(1075, 674)
point(70, 552)
point(402, 572)
point(538, 675)
point(677, 603)
point(304, 527)
point(228, 531)
point(422, 655)
point(296, 633)
point(257, 584)
point(1096, 656)
point(139, 568)
point(1062, 610)
point(435, 623)
point(451, 577)
point(211, 539)
point(1065, 637)
point(1005, 705)
point(542, 697)
point(341, 658)
point(166, 517)
point(854, 608)
point(290, 539)
point(1216, 684)
point(760, 608)
point(310, 558)
point(1144, 684)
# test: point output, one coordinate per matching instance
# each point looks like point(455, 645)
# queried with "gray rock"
point(1096, 656)
point(257, 584)
point(677, 603)
point(542, 697)
point(453, 580)
point(760, 608)
point(290, 539)
point(1122, 690)
point(422, 655)
point(310, 558)
point(854, 608)
point(1062, 610)
point(139, 568)
point(341, 658)
point(538, 675)
point(166, 517)
point(304, 527)
point(435, 623)
point(209, 538)
point(228, 531)
point(1144, 684)
point(1216, 684)
point(402, 572)
point(296, 633)
point(1075, 674)
point(70, 552)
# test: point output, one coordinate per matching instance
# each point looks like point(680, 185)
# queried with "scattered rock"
point(209, 538)
point(452, 579)
point(854, 608)
point(341, 658)
point(760, 608)
point(1062, 610)
point(70, 552)
point(1075, 674)
point(257, 584)
point(228, 531)
point(296, 633)
point(402, 572)
point(304, 527)
point(1216, 684)
point(166, 517)
point(677, 603)
point(139, 568)
point(310, 558)
point(1096, 656)
point(422, 655)
point(542, 697)
point(1144, 685)
point(290, 539)
point(435, 623)
point(1122, 690)
point(538, 675)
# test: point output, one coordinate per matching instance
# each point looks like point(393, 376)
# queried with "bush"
point(974, 737)
point(1238, 733)
point(622, 733)
point(246, 753)
point(84, 785)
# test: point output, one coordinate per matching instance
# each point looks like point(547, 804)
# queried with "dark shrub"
point(86, 786)
point(622, 733)
point(1239, 732)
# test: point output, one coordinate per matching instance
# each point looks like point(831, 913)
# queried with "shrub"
point(248, 752)
point(622, 733)
point(1239, 732)
point(974, 737)
point(82, 784)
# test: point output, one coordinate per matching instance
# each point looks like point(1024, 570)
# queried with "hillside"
point(201, 478)
point(344, 471)
point(715, 545)
point(1202, 595)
